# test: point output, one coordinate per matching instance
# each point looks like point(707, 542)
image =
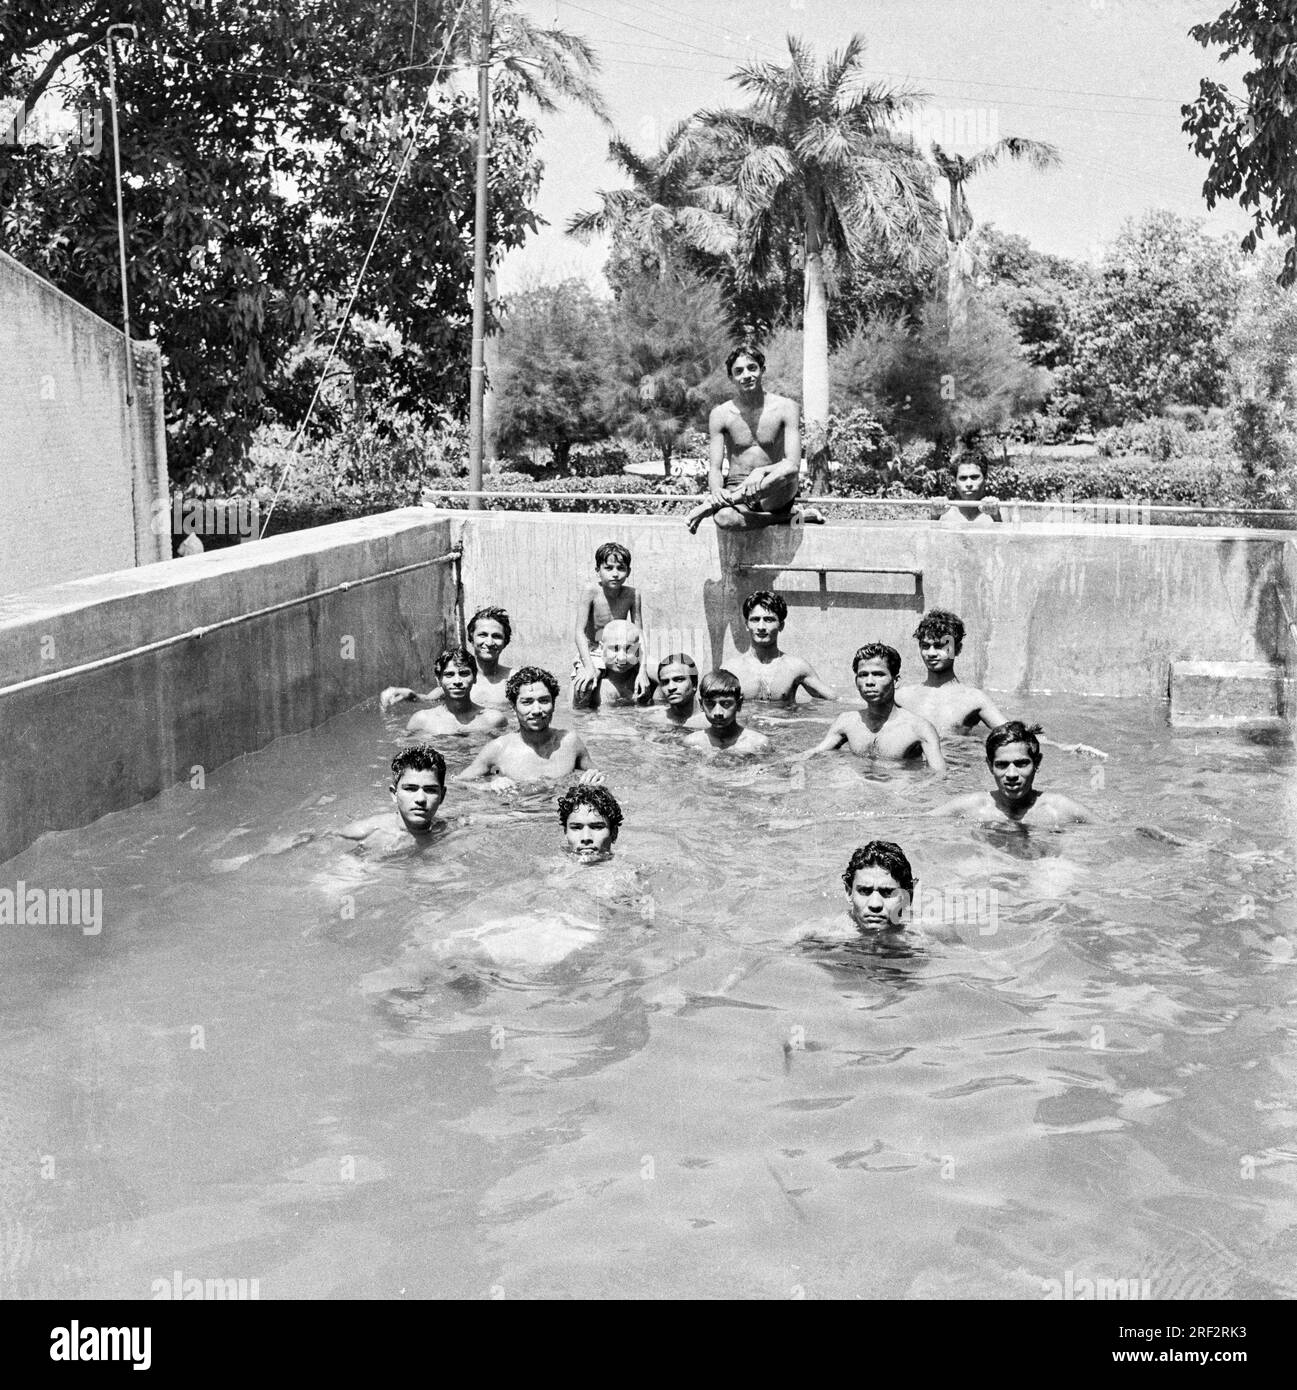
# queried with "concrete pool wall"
point(101, 739)
point(1084, 609)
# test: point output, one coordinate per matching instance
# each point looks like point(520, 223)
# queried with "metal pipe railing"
point(654, 498)
point(197, 633)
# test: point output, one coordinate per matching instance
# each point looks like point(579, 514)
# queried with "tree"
point(1037, 292)
point(1250, 144)
point(957, 171)
point(815, 153)
point(1263, 386)
point(1150, 328)
point(671, 337)
point(554, 379)
point(259, 145)
point(655, 219)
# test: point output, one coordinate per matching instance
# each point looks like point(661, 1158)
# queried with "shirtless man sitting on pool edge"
point(761, 433)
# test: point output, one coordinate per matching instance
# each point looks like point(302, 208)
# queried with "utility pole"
point(477, 374)
point(121, 225)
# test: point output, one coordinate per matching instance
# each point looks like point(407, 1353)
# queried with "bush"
point(1159, 439)
point(597, 460)
point(629, 483)
point(857, 439)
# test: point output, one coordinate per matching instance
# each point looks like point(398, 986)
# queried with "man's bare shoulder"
point(720, 415)
point(784, 405)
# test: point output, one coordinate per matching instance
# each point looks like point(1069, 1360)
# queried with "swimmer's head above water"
point(677, 678)
point(456, 670)
point(418, 786)
point(1013, 756)
point(880, 886)
point(496, 632)
point(532, 692)
point(940, 635)
point(621, 646)
point(970, 475)
point(591, 819)
point(721, 695)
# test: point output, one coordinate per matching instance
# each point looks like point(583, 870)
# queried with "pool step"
point(1226, 695)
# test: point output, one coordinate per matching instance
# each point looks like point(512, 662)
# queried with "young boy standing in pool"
point(536, 752)
point(722, 698)
point(607, 598)
point(943, 700)
point(1013, 759)
point(765, 672)
point(677, 680)
point(881, 729)
point(489, 633)
point(456, 713)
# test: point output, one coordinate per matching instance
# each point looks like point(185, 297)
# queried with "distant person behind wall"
point(970, 497)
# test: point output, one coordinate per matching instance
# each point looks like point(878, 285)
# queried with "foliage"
point(1263, 358)
point(858, 440)
point(1250, 143)
point(670, 339)
point(552, 387)
point(258, 145)
point(1149, 328)
point(1035, 291)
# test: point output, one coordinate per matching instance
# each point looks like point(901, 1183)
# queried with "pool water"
point(268, 1064)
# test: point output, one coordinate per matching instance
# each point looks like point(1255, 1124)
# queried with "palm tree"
point(956, 170)
point(815, 153)
point(659, 212)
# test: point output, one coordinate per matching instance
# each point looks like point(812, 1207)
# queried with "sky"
point(1101, 79)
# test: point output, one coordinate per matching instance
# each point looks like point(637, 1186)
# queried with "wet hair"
point(419, 757)
point(598, 799)
point(495, 615)
point(455, 656)
point(612, 550)
point(978, 461)
point(766, 598)
point(880, 854)
point(720, 682)
point(529, 675)
point(1015, 731)
point(678, 659)
point(743, 350)
point(872, 649)
point(939, 623)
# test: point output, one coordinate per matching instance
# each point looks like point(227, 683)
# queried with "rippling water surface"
point(270, 1064)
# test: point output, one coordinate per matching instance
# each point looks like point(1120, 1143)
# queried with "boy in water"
point(456, 670)
point(536, 752)
point(766, 673)
point(969, 500)
point(606, 599)
point(489, 633)
point(761, 434)
point(880, 889)
point(943, 700)
point(722, 698)
point(1013, 758)
point(622, 676)
point(881, 729)
point(677, 680)
point(418, 788)
point(591, 819)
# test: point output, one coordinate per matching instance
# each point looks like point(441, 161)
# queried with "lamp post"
point(121, 225)
point(477, 373)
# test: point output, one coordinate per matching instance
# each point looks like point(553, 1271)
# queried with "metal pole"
point(477, 374)
point(121, 225)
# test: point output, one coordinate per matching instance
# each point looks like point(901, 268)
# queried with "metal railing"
point(197, 633)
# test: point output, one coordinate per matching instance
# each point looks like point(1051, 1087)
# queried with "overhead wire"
point(411, 144)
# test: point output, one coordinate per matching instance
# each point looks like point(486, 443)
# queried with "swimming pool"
point(262, 1068)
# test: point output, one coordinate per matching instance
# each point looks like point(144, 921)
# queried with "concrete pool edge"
point(139, 725)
